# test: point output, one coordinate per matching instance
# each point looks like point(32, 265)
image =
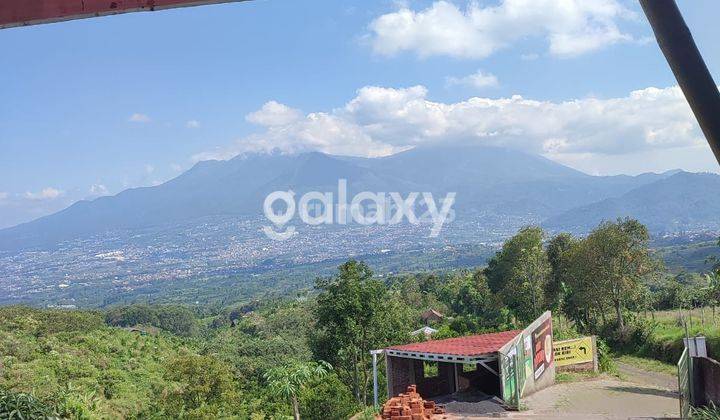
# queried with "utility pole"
point(683, 56)
point(375, 377)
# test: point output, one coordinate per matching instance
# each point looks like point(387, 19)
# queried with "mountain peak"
point(487, 180)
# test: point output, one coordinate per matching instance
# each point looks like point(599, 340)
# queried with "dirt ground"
point(639, 394)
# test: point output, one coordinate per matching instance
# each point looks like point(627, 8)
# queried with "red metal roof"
point(471, 345)
point(30, 12)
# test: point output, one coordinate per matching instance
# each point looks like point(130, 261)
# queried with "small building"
point(507, 364)
point(426, 331)
point(430, 316)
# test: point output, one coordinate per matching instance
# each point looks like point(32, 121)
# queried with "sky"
point(95, 106)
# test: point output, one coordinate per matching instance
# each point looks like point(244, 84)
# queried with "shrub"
point(327, 399)
point(199, 384)
point(710, 412)
point(370, 413)
point(16, 405)
point(605, 361)
point(636, 334)
point(564, 330)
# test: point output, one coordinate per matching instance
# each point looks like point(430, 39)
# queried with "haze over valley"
point(206, 224)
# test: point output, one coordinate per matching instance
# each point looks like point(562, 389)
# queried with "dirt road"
point(639, 394)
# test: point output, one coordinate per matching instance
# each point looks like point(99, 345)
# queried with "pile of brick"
point(410, 406)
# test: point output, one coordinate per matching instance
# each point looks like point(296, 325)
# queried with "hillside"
point(88, 369)
point(681, 202)
point(494, 182)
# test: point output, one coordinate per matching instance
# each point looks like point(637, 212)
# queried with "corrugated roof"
point(472, 345)
point(424, 330)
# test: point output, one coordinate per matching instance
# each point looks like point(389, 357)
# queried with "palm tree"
point(287, 381)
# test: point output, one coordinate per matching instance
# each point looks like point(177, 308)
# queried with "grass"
point(563, 377)
point(697, 318)
point(706, 413)
point(665, 342)
point(369, 413)
point(650, 365)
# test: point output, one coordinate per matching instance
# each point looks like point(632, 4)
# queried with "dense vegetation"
point(308, 355)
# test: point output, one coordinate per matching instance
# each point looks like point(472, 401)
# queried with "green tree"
point(520, 272)
point(177, 319)
point(200, 385)
point(355, 314)
point(173, 318)
point(713, 289)
point(289, 380)
point(606, 269)
point(557, 250)
point(477, 306)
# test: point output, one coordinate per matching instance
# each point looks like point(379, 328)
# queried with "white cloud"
point(571, 27)
point(274, 114)
point(98, 190)
point(48, 193)
point(149, 169)
point(478, 80)
point(3, 195)
point(139, 118)
point(192, 124)
point(380, 121)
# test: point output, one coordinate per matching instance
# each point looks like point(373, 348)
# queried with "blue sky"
point(94, 106)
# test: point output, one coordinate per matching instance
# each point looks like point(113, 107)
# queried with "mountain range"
point(487, 180)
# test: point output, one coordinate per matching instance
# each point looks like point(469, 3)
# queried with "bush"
point(710, 412)
point(444, 331)
point(370, 413)
point(76, 407)
point(199, 384)
point(605, 361)
point(14, 405)
point(327, 399)
point(636, 334)
point(564, 330)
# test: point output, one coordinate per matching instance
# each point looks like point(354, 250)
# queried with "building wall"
point(527, 358)
point(442, 384)
point(706, 383)
point(480, 378)
point(400, 374)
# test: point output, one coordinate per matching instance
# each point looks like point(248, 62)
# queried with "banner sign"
point(527, 342)
point(542, 347)
point(572, 352)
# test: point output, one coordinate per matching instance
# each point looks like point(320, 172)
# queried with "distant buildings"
point(431, 316)
point(426, 331)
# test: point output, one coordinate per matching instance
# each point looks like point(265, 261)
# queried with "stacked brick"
point(410, 406)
